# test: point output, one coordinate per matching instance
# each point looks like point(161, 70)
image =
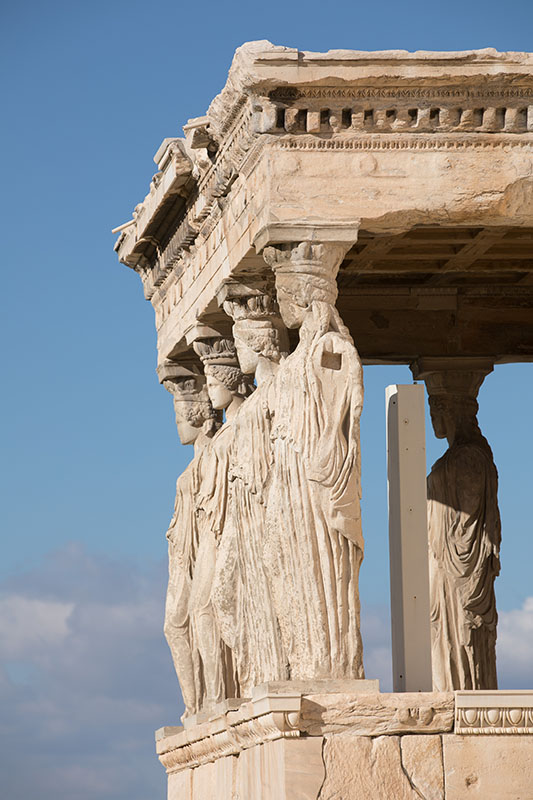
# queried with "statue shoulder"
point(335, 352)
point(470, 458)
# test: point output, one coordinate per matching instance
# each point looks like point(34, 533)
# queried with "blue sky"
point(90, 450)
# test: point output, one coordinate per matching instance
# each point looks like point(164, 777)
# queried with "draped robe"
point(216, 668)
point(464, 538)
point(314, 545)
point(244, 604)
point(183, 542)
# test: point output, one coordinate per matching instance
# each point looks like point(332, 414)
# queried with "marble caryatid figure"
point(464, 537)
point(247, 613)
point(227, 387)
point(196, 422)
point(314, 544)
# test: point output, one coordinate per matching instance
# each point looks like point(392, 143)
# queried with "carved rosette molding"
point(494, 712)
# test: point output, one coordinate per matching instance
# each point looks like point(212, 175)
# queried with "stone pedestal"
point(344, 740)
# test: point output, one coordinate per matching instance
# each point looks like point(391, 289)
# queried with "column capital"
point(305, 273)
point(305, 256)
point(249, 300)
point(249, 286)
point(452, 375)
point(340, 232)
point(170, 372)
point(426, 364)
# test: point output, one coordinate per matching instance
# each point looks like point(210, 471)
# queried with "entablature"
point(421, 162)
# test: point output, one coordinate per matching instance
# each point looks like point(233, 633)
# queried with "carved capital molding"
point(256, 319)
point(306, 255)
point(452, 376)
point(343, 233)
point(176, 374)
point(216, 351)
point(496, 712)
point(259, 285)
point(229, 730)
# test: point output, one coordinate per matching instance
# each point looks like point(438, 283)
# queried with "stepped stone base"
point(348, 741)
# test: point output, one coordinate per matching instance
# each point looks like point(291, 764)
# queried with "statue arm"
point(211, 498)
point(336, 383)
point(335, 457)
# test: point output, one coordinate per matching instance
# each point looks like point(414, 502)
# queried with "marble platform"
point(345, 740)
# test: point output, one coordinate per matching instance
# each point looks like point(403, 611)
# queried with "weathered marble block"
point(376, 714)
point(382, 768)
point(492, 767)
point(291, 743)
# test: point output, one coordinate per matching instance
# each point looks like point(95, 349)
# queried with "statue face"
point(187, 432)
point(248, 358)
point(220, 396)
point(438, 419)
point(291, 313)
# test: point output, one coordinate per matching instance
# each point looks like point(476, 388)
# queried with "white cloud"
point(515, 647)
point(27, 624)
point(87, 634)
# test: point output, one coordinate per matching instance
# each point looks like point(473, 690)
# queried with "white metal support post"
point(408, 539)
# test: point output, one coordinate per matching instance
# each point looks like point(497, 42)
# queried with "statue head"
point(452, 402)
point(257, 330)
point(451, 412)
point(194, 411)
point(305, 275)
point(224, 379)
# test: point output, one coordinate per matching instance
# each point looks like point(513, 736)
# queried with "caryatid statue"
point(227, 387)
point(464, 534)
point(244, 598)
point(196, 421)
point(314, 544)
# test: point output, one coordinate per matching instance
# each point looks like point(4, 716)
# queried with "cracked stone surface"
point(422, 761)
point(360, 767)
